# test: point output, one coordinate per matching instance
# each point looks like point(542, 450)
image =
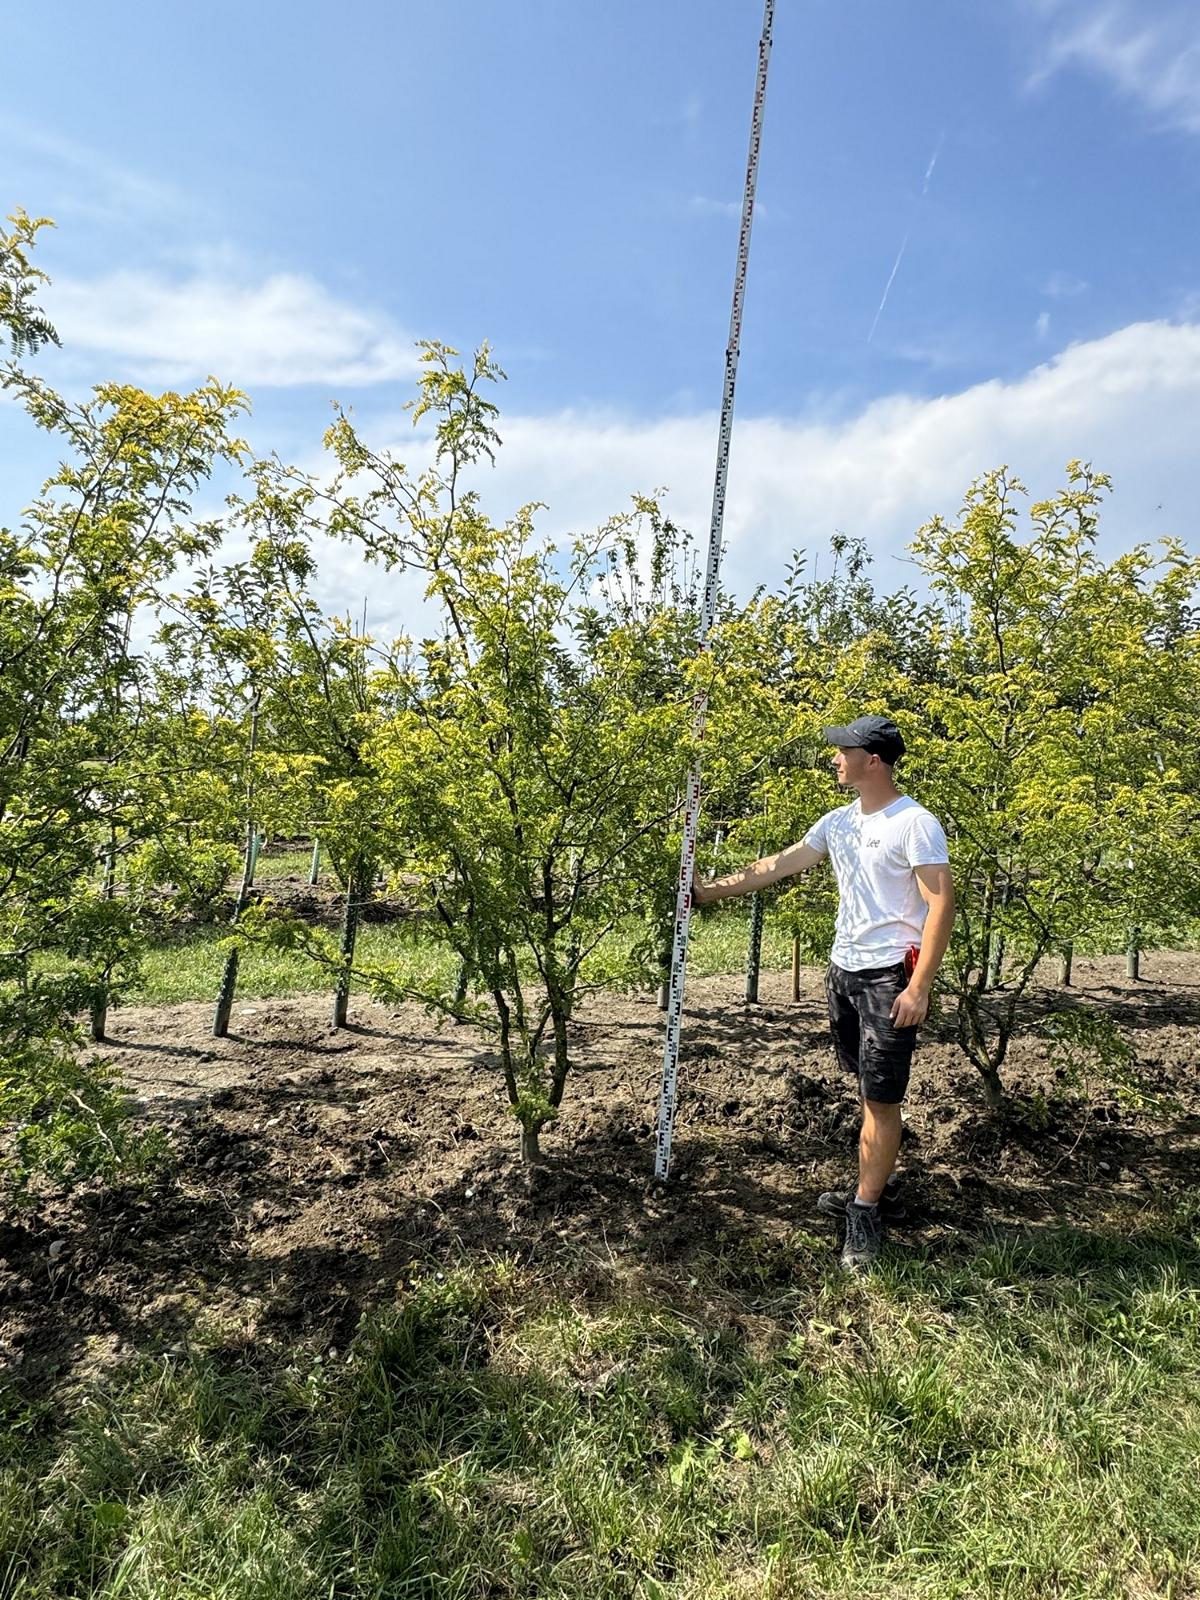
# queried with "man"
point(895, 912)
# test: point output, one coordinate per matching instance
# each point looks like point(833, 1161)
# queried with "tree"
point(330, 688)
point(227, 642)
point(818, 652)
point(531, 765)
point(107, 527)
point(1060, 681)
point(26, 327)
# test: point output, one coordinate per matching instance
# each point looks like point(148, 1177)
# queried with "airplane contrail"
point(888, 289)
point(933, 161)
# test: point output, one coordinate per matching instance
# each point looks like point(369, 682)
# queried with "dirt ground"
point(317, 1169)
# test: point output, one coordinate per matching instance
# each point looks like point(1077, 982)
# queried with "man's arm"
point(937, 891)
point(761, 873)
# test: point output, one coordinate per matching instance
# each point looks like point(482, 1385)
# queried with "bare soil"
point(317, 1169)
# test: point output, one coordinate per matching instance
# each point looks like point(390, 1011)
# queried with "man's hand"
point(911, 1007)
point(700, 894)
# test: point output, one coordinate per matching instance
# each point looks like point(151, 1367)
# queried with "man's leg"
point(878, 1147)
point(843, 1021)
point(885, 1056)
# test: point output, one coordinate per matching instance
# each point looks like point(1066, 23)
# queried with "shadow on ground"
point(314, 1169)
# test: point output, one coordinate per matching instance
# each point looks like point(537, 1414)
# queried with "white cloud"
point(1148, 49)
point(1042, 326)
point(703, 206)
point(1127, 402)
point(1064, 286)
point(283, 329)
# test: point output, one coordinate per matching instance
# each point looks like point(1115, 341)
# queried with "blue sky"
point(289, 195)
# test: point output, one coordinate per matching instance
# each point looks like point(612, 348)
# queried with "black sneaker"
point(864, 1237)
point(891, 1202)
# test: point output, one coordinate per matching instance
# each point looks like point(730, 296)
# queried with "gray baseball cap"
point(878, 735)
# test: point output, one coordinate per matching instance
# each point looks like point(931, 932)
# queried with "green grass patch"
point(190, 969)
point(273, 863)
point(1019, 1422)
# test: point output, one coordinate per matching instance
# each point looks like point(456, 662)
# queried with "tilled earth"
point(316, 1169)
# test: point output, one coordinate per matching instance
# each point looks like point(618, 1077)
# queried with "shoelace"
point(859, 1229)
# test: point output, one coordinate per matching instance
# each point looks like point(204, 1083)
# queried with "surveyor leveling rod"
point(687, 856)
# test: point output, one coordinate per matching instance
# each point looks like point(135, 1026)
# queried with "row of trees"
point(519, 766)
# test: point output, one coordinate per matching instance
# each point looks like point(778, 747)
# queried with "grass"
point(1021, 1421)
point(190, 968)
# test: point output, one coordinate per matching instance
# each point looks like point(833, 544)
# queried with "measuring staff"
point(691, 815)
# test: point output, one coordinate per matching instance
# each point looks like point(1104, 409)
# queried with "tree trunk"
point(973, 1042)
point(463, 981)
point(98, 1011)
point(226, 994)
point(1133, 955)
point(562, 1057)
point(993, 1087)
point(995, 965)
point(995, 969)
point(573, 971)
point(985, 930)
point(1066, 961)
point(229, 977)
point(531, 1149)
point(754, 949)
point(314, 872)
point(796, 968)
point(355, 894)
point(666, 954)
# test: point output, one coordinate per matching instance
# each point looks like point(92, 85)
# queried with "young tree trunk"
point(796, 968)
point(98, 1011)
point(573, 970)
point(356, 889)
point(225, 996)
point(666, 954)
point(995, 965)
point(561, 1012)
point(463, 981)
point(995, 969)
point(314, 872)
point(973, 1042)
point(1066, 961)
point(985, 931)
point(754, 949)
point(229, 976)
point(993, 1087)
point(1133, 954)
point(531, 1150)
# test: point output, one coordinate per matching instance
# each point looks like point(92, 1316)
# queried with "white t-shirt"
point(880, 909)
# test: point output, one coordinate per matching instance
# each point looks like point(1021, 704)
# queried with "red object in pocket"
point(911, 956)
